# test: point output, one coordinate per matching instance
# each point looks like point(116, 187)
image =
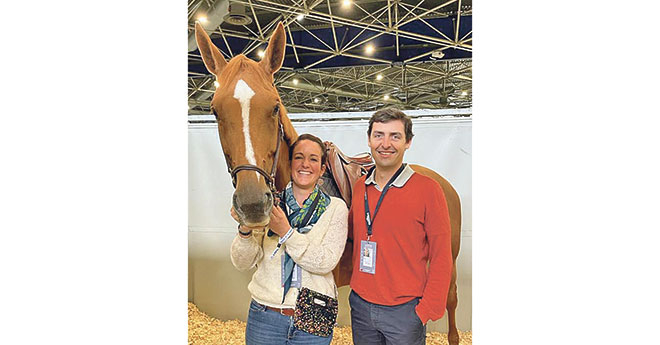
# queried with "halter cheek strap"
point(270, 178)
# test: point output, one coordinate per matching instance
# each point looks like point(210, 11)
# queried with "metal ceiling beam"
point(354, 80)
point(427, 12)
point(403, 4)
point(332, 24)
point(293, 44)
point(376, 28)
point(349, 47)
point(458, 21)
point(320, 61)
point(396, 19)
point(215, 17)
point(287, 19)
point(365, 11)
point(256, 20)
point(417, 84)
point(362, 77)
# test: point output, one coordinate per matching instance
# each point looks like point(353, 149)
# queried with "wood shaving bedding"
point(206, 330)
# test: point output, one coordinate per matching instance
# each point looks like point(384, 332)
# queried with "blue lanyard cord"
point(367, 215)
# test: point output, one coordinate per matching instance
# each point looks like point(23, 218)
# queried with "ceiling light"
point(261, 53)
point(295, 81)
point(464, 93)
point(438, 54)
point(379, 77)
point(369, 48)
point(202, 19)
point(300, 17)
point(217, 84)
point(316, 100)
point(386, 97)
point(346, 3)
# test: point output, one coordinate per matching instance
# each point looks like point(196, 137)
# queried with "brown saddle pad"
point(346, 170)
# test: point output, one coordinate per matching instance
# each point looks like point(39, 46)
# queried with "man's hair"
point(310, 137)
point(390, 114)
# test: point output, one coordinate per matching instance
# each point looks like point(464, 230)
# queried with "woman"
point(306, 256)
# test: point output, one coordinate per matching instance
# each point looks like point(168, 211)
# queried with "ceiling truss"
point(419, 81)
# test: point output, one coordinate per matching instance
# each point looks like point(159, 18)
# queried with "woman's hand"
point(234, 215)
point(241, 226)
point(278, 221)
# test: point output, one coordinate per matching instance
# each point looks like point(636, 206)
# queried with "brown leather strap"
point(270, 179)
point(286, 312)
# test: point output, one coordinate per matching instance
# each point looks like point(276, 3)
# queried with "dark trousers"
point(374, 324)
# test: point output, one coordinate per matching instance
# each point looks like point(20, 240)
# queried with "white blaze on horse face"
point(243, 93)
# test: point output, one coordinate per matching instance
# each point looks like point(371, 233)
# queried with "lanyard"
point(367, 215)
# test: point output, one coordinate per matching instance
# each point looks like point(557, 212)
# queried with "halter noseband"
point(270, 179)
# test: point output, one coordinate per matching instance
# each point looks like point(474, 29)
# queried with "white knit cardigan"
point(316, 252)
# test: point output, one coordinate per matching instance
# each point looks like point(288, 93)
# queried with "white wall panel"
point(218, 289)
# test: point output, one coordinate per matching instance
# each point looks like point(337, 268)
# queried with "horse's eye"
point(215, 114)
point(276, 110)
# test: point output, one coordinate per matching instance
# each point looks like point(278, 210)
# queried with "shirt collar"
point(399, 182)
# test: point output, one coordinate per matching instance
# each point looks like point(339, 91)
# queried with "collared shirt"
point(399, 182)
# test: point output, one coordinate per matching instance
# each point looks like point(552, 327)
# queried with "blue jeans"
point(268, 327)
point(375, 324)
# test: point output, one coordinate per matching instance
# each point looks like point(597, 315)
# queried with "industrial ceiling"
point(344, 55)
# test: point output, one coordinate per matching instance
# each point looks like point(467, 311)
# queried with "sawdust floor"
point(205, 330)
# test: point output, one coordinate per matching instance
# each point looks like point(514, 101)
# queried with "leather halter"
point(270, 178)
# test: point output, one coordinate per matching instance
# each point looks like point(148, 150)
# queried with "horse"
point(256, 133)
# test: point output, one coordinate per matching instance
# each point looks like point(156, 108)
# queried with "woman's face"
point(306, 166)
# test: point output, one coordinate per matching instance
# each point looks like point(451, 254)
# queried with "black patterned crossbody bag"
point(315, 312)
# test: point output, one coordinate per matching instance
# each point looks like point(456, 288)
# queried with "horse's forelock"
point(241, 65)
point(238, 68)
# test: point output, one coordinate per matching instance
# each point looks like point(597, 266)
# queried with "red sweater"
point(411, 229)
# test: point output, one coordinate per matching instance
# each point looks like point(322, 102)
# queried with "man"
point(404, 230)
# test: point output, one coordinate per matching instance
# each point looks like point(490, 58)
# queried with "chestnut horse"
point(255, 134)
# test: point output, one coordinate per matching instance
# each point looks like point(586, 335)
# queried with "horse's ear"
point(274, 56)
point(211, 55)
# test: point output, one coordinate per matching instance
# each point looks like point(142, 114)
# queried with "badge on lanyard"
point(296, 275)
point(368, 257)
point(368, 247)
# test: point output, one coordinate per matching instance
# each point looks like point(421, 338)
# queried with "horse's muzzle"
point(253, 208)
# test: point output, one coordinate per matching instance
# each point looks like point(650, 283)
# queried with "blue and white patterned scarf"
point(296, 216)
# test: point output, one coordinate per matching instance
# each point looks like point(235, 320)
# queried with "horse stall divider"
point(443, 144)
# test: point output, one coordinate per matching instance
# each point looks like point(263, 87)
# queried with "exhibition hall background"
point(443, 143)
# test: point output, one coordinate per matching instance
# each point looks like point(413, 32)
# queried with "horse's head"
point(249, 111)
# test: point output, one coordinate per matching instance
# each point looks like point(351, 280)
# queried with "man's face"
point(388, 143)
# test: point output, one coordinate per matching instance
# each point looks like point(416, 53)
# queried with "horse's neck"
point(283, 175)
